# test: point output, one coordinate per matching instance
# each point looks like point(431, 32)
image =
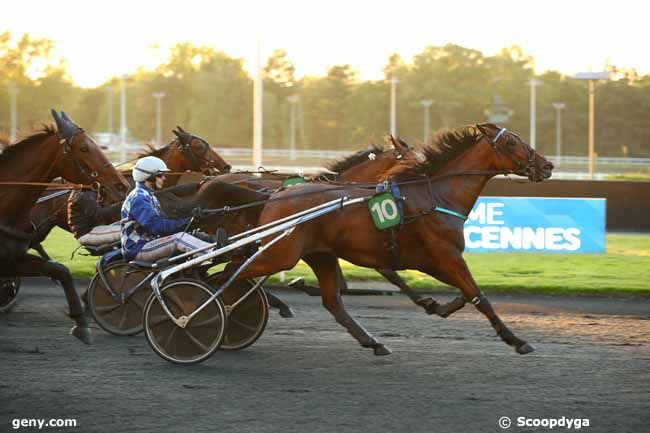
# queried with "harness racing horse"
point(439, 192)
point(68, 152)
point(186, 153)
point(363, 166)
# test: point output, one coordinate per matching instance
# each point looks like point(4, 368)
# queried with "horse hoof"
point(82, 333)
point(524, 349)
point(382, 350)
point(430, 305)
point(287, 313)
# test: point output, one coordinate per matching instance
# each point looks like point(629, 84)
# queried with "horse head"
point(198, 153)
point(513, 154)
point(369, 165)
point(84, 162)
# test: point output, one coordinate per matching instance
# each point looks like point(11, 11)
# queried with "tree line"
point(210, 93)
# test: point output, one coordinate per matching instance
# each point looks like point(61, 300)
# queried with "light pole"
point(13, 92)
point(533, 113)
point(159, 96)
point(292, 145)
point(123, 127)
point(559, 106)
point(426, 103)
point(393, 105)
point(258, 112)
point(591, 77)
point(109, 113)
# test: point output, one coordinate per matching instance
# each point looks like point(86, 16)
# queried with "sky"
point(102, 39)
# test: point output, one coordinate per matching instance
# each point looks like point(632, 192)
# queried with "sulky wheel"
point(8, 293)
point(119, 317)
point(203, 333)
point(247, 320)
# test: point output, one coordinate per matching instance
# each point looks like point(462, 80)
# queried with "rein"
point(353, 185)
point(347, 186)
point(51, 185)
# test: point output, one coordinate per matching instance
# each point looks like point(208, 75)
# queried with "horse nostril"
point(227, 169)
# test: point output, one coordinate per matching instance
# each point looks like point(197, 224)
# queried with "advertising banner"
point(555, 225)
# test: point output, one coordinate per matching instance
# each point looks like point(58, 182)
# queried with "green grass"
point(623, 269)
point(630, 176)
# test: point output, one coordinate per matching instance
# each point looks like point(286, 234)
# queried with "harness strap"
point(449, 212)
point(393, 188)
point(494, 141)
point(392, 244)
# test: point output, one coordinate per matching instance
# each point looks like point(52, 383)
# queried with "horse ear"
point(57, 119)
point(181, 129)
point(403, 146)
point(176, 133)
point(66, 117)
point(483, 129)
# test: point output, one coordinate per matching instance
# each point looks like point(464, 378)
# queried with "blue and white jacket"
point(143, 220)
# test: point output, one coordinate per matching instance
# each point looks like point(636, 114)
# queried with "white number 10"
point(386, 210)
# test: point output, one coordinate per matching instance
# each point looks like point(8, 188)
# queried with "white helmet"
point(147, 167)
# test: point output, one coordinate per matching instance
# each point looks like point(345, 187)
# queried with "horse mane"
point(179, 200)
point(346, 163)
point(150, 150)
point(44, 132)
point(446, 145)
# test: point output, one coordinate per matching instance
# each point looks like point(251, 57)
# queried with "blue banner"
point(555, 225)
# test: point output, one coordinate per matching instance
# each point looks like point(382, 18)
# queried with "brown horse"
point(186, 153)
point(451, 177)
point(68, 152)
point(365, 166)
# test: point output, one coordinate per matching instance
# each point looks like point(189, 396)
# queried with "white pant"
point(101, 235)
point(168, 245)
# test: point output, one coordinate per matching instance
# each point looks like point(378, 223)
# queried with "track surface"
point(307, 375)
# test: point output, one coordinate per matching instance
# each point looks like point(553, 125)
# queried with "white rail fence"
point(312, 160)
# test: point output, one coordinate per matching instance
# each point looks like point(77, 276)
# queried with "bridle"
point(525, 168)
point(67, 152)
point(67, 141)
point(199, 162)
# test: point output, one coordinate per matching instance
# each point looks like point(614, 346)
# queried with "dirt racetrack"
point(308, 375)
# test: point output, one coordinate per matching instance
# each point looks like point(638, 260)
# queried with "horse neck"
point(368, 171)
point(460, 192)
point(174, 159)
point(33, 163)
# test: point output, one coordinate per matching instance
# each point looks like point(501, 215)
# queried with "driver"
point(146, 232)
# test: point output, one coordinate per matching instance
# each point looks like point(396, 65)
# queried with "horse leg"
point(275, 302)
point(324, 266)
point(299, 283)
point(340, 279)
point(430, 305)
point(41, 251)
point(33, 266)
point(456, 273)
